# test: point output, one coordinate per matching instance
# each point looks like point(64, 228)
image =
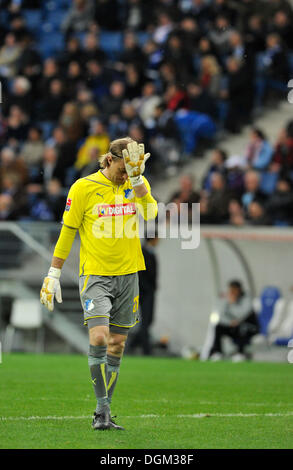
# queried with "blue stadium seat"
point(50, 44)
point(142, 37)
point(111, 43)
point(56, 18)
point(55, 5)
point(268, 182)
point(33, 19)
point(268, 298)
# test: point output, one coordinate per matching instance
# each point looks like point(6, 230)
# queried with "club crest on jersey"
point(89, 305)
point(112, 210)
point(68, 204)
point(128, 194)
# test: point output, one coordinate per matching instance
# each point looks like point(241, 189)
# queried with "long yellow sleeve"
point(64, 243)
point(147, 206)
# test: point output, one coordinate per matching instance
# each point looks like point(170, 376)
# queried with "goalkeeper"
point(104, 208)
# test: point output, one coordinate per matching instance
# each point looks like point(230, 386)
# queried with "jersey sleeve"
point(147, 205)
point(75, 206)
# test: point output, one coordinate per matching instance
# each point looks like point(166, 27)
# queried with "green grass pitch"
point(47, 402)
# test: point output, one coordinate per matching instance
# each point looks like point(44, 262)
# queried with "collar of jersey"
point(101, 178)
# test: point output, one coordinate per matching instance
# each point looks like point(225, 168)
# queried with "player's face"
point(118, 173)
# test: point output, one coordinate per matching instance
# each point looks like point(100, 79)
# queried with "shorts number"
point(135, 304)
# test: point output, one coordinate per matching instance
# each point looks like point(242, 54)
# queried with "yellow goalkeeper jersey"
point(106, 216)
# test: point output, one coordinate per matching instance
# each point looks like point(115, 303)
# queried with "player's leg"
point(95, 295)
point(123, 316)
point(97, 359)
point(116, 346)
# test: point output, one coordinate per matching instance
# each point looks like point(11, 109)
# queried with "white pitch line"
point(194, 416)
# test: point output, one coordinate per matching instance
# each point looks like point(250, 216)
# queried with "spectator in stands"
point(210, 75)
point(33, 148)
point(282, 161)
point(134, 81)
point(252, 192)
point(153, 57)
point(274, 6)
point(138, 14)
point(131, 53)
point(248, 8)
point(259, 152)
point(111, 104)
point(20, 96)
point(50, 72)
point(98, 81)
point(6, 207)
point(78, 17)
point(198, 9)
point(256, 214)
point(254, 33)
point(217, 201)
point(200, 100)
point(55, 199)
point(241, 51)
point(72, 53)
point(29, 61)
point(275, 68)
point(280, 204)
point(66, 149)
point(235, 175)
point(9, 54)
point(190, 34)
point(163, 28)
point(283, 27)
point(52, 103)
point(206, 47)
point(71, 121)
point(74, 79)
point(128, 118)
point(147, 104)
point(98, 139)
point(220, 34)
point(48, 169)
point(217, 165)
point(92, 49)
point(93, 165)
point(186, 194)
point(17, 127)
point(176, 54)
point(175, 97)
point(236, 213)
point(104, 19)
point(237, 320)
point(165, 139)
point(239, 93)
point(222, 8)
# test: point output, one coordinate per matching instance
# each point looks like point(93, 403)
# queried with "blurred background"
point(204, 84)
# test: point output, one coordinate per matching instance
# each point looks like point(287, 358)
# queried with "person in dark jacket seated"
point(237, 320)
point(147, 289)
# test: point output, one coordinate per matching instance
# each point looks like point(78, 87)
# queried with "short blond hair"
point(115, 150)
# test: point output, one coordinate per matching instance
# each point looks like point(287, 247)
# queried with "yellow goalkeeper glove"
point(51, 288)
point(134, 160)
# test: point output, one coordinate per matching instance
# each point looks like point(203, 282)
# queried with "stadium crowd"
point(168, 73)
point(255, 188)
